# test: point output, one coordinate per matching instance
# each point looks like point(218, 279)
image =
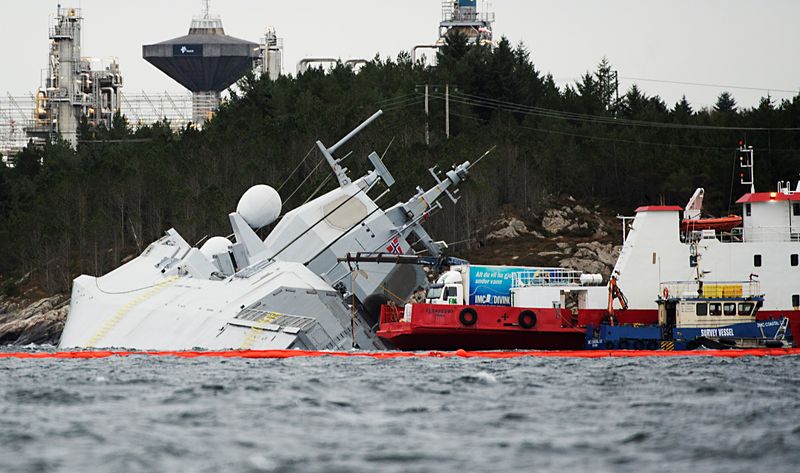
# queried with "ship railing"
point(710, 289)
point(391, 313)
point(546, 277)
point(781, 233)
point(761, 234)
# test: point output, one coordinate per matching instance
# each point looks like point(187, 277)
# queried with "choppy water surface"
point(331, 414)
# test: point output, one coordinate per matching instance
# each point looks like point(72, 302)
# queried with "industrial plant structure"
point(463, 16)
point(76, 87)
point(270, 61)
point(206, 61)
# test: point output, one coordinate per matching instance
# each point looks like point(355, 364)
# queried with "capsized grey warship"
point(287, 291)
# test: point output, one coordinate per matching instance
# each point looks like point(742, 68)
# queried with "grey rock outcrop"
point(593, 257)
point(574, 220)
point(40, 322)
point(511, 227)
point(555, 221)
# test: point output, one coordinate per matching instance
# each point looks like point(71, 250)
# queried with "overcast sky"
point(748, 43)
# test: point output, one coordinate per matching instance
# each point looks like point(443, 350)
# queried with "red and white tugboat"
point(495, 308)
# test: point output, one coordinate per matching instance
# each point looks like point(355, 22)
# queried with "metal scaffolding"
point(18, 115)
point(147, 108)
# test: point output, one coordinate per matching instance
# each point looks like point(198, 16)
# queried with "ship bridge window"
point(756, 260)
point(434, 291)
point(747, 210)
point(450, 291)
point(729, 308)
point(701, 308)
point(795, 300)
point(746, 308)
point(796, 209)
point(715, 308)
point(793, 259)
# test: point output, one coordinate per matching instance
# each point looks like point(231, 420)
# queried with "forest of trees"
point(64, 212)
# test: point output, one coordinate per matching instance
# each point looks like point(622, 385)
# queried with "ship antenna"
point(746, 162)
point(483, 156)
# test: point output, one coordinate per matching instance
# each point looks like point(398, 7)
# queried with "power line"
point(718, 86)
point(695, 84)
point(487, 102)
point(403, 104)
point(604, 138)
point(399, 98)
point(549, 113)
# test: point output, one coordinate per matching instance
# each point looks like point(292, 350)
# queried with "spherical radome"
point(259, 206)
point(214, 246)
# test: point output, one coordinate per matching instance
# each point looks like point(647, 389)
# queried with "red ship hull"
point(438, 327)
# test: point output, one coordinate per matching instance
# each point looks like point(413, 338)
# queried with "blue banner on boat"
point(491, 285)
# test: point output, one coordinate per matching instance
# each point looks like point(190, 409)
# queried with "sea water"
point(161, 414)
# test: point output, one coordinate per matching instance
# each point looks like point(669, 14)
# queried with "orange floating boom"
point(278, 354)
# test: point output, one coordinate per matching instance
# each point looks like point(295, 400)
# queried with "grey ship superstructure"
point(287, 291)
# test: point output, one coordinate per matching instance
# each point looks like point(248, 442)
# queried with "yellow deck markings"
point(256, 328)
point(123, 311)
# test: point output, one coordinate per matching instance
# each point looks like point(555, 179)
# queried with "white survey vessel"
point(287, 291)
point(670, 243)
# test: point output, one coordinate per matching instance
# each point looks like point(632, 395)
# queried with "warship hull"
point(278, 305)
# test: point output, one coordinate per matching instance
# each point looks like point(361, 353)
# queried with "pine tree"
point(607, 85)
point(725, 103)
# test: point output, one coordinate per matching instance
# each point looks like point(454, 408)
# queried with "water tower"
point(206, 61)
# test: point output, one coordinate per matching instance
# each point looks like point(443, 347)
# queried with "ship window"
point(729, 308)
point(434, 292)
point(796, 209)
point(747, 211)
point(796, 300)
point(746, 308)
point(701, 309)
point(715, 308)
point(756, 260)
point(450, 292)
point(794, 259)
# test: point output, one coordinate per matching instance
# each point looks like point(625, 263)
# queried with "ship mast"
point(746, 162)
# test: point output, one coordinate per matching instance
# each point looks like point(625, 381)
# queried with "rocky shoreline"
point(39, 322)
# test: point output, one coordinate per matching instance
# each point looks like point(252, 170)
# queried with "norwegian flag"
point(394, 247)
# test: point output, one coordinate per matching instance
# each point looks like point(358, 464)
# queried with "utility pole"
point(447, 110)
point(427, 112)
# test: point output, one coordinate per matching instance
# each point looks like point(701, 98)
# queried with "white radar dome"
point(259, 206)
point(214, 246)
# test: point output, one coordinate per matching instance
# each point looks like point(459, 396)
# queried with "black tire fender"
point(527, 319)
point(468, 317)
point(624, 345)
